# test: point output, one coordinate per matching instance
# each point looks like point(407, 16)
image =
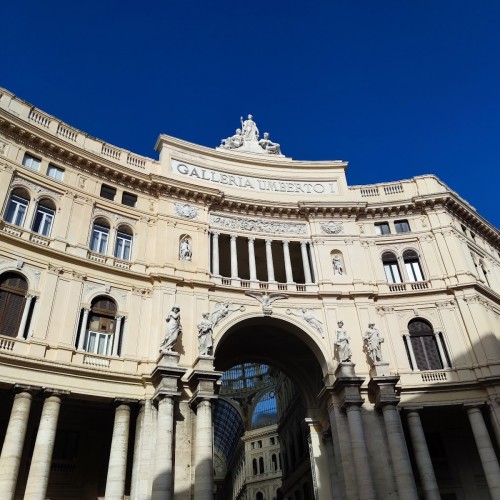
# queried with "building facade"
point(129, 287)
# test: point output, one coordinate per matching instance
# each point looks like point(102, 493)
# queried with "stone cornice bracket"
point(347, 386)
point(203, 381)
point(384, 390)
point(166, 375)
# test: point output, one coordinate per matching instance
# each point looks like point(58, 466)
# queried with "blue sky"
point(397, 88)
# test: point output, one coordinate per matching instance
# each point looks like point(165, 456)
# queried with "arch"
point(412, 265)
point(264, 410)
point(306, 364)
point(13, 292)
point(17, 206)
point(100, 330)
point(123, 242)
point(391, 267)
point(43, 219)
point(99, 235)
point(424, 345)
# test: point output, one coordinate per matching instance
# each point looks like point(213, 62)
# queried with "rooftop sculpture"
point(247, 139)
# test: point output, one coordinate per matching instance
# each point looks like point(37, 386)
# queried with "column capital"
point(384, 390)
point(215, 234)
point(268, 241)
point(285, 243)
point(251, 238)
point(233, 237)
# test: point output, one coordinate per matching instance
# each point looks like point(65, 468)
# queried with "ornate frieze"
point(331, 227)
point(185, 210)
point(258, 225)
point(113, 216)
point(36, 187)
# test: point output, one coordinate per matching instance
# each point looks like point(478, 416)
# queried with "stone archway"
point(300, 365)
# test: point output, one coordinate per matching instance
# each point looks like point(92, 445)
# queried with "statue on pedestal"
point(185, 252)
point(270, 146)
point(342, 343)
point(373, 343)
point(174, 327)
point(234, 141)
point(205, 335)
point(249, 129)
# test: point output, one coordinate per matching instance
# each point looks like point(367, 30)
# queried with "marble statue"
point(342, 343)
point(373, 343)
point(266, 299)
point(185, 252)
point(222, 310)
point(205, 335)
point(249, 129)
point(337, 265)
point(174, 327)
point(270, 146)
point(234, 141)
point(309, 316)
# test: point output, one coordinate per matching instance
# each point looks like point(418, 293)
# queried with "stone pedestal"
point(166, 380)
point(383, 386)
point(203, 381)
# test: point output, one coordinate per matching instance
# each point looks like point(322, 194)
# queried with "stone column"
point(13, 444)
point(162, 482)
point(116, 336)
point(288, 263)
point(305, 262)
point(83, 328)
point(24, 317)
point(234, 257)
point(38, 476)
point(313, 262)
point(269, 261)
point(422, 457)
point(485, 449)
point(203, 484)
point(407, 338)
point(399, 453)
point(360, 453)
point(441, 349)
point(251, 258)
point(117, 467)
point(215, 254)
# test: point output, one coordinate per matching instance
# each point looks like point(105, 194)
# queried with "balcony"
point(264, 285)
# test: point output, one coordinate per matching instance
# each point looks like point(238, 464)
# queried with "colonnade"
point(162, 483)
point(308, 266)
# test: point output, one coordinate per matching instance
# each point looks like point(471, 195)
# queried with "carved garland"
point(257, 225)
point(332, 227)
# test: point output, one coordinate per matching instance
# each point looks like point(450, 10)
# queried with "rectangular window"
point(414, 271)
point(31, 162)
point(108, 192)
point(56, 173)
point(382, 228)
point(402, 226)
point(43, 221)
point(123, 246)
point(129, 199)
point(99, 343)
point(99, 239)
point(392, 273)
point(16, 211)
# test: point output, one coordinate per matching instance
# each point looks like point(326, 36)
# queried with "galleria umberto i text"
point(228, 323)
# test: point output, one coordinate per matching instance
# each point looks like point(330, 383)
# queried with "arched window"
point(259, 496)
point(391, 268)
point(274, 462)
point(100, 233)
point(424, 344)
point(44, 217)
point(261, 465)
point(101, 326)
point(13, 288)
point(123, 245)
point(254, 465)
point(17, 207)
point(412, 266)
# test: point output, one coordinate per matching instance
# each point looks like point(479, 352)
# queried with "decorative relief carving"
point(266, 299)
point(332, 227)
point(3, 148)
point(223, 310)
point(113, 216)
point(445, 303)
point(258, 225)
point(310, 317)
point(384, 309)
point(185, 210)
point(36, 187)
